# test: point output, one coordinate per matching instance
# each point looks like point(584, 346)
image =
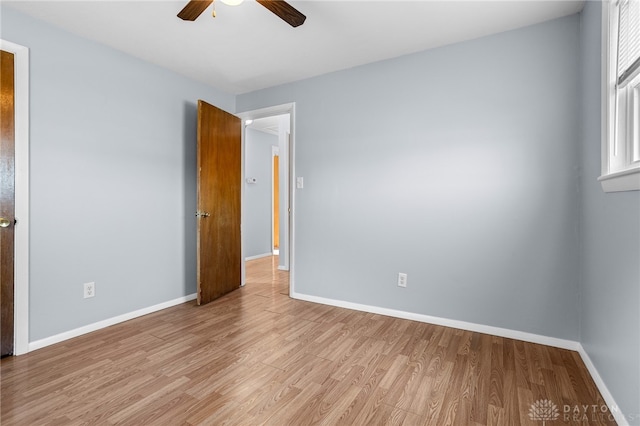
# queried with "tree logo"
point(545, 410)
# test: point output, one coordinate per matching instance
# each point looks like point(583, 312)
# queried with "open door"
point(219, 186)
point(7, 202)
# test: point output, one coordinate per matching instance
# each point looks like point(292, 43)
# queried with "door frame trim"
point(274, 151)
point(21, 249)
point(288, 108)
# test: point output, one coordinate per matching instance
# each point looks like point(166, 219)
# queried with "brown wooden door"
point(7, 201)
point(219, 180)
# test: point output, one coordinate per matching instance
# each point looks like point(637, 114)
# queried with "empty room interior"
point(455, 192)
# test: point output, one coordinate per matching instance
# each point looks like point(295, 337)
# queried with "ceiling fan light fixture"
point(280, 8)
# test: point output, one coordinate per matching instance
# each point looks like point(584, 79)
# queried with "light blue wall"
point(471, 167)
point(257, 197)
point(610, 304)
point(113, 192)
point(457, 166)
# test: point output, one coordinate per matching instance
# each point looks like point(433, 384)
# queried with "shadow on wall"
point(190, 147)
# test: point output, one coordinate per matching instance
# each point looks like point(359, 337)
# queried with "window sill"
point(626, 180)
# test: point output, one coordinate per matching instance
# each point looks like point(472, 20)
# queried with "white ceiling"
point(269, 125)
point(248, 48)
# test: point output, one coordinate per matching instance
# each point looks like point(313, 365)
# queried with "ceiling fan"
point(281, 8)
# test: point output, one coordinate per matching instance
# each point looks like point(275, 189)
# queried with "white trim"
point(613, 178)
point(21, 251)
point(292, 200)
point(626, 180)
point(606, 109)
point(464, 325)
point(258, 256)
point(604, 391)
point(290, 150)
point(267, 112)
point(486, 329)
point(480, 328)
point(275, 151)
point(282, 268)
point(47, 341)
point(243, 271)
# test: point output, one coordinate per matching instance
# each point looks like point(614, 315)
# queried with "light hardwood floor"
point(256, 356)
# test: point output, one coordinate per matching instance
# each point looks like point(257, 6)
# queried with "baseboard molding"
point(463, 325)
point(258, 256)
point(47, 341)
point(469, 326)
point(282, 268)
point(621, 420)
point(486, 329)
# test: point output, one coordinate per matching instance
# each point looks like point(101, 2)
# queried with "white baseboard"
point(258, 256)
point(486, 329)
point(480, 328)
point(283, 268)
point(604, 391)
point(47, 341)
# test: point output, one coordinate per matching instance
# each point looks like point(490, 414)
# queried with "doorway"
point(21, 194)
point(278, 120)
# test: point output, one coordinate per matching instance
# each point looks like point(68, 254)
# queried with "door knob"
point(4, 223)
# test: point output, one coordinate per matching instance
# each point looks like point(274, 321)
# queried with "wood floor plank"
point(256, 356)
point(452, 399)
point(480, 349)
point(294, 413)
point(358, 404)
point(307, 371)
point(496, 381)
point(437, 393)
point(468, 389)
point(495, 416)
point(511, 403)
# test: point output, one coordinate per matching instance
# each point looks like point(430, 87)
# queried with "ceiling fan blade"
point(193, 9)
point(285, 11)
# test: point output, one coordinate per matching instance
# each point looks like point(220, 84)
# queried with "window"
point(621, 96)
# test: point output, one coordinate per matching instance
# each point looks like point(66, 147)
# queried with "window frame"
point(619, 171)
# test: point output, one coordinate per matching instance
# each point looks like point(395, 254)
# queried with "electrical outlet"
point(89, 290)
point(402, 279)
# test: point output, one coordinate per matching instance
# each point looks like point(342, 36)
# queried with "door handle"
point(202, 214)
point(4, 222)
